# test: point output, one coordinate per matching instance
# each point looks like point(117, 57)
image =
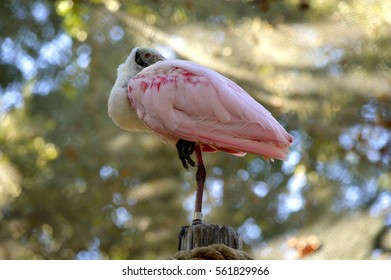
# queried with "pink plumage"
point(180, 99)
point(194, 108)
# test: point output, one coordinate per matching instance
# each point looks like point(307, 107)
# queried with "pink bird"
point(194, 108)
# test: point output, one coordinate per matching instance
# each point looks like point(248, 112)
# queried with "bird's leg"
point(185, 149)
point(200, 178)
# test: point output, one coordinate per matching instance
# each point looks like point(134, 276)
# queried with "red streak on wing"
point(189, 77)
point(159, 81)
point(144, 86)
point(170, 78)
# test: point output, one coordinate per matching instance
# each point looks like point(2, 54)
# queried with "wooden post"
point(203, 235)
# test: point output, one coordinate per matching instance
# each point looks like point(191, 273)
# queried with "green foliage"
point(72, 185)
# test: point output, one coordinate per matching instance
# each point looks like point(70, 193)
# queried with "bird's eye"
point(147, 55)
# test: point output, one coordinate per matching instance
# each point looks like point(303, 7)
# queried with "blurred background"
point(74, 186)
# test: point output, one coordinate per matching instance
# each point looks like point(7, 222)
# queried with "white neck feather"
point(120, 110)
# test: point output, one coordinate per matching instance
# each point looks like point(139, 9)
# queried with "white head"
point(138, 59)
point(118, 104)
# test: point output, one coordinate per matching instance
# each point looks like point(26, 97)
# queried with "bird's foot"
point(185, 149)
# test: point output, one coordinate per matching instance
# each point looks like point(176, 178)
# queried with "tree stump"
point(203, 235)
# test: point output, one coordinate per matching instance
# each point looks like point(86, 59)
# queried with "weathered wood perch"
point(203, 235)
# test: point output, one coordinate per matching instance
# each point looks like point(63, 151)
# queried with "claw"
point(184, 163)
point(185, 149)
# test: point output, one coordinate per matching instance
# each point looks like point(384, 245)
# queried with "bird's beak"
point(159, 57)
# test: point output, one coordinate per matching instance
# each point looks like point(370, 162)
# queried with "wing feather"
point(182, 100)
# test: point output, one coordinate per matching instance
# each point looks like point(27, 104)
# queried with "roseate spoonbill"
point(194, 108)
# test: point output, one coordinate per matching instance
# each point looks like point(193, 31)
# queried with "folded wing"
point(183, 100)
